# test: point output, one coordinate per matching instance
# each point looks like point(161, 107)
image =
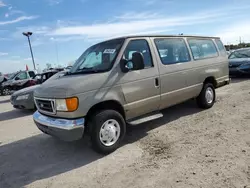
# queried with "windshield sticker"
point(109, 51)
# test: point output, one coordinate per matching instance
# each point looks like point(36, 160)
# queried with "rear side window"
point(202, 48)
point(32, 74)
point(221, 47)
point(172, 51)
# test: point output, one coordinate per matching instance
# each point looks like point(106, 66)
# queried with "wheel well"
point(112, 105)
point(211, 80)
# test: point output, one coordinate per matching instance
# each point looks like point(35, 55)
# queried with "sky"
point(63, 29)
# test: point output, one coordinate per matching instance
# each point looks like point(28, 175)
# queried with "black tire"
point(202, 102)
point(97, 122)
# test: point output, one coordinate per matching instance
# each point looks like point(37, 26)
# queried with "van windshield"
point(98, 58)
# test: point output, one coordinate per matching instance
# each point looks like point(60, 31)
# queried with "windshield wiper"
point(84, 70)
point(87, 69)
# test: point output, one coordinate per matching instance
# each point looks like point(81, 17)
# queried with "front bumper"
point(64, 129)
point(27, 104)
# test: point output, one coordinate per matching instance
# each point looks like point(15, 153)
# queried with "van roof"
point(189, 36)
point(134, 36)
point(159, 36)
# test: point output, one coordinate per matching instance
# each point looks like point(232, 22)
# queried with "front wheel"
point(6, 91)
point(108, 129)
point(206, 99)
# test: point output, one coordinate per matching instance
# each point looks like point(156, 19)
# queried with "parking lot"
point(186, 148)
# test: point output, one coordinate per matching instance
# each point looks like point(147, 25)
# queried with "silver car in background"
point(23, 99)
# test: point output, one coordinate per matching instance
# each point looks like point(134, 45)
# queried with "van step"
point(145, 118)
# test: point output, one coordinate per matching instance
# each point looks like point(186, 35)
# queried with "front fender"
point(89, 99)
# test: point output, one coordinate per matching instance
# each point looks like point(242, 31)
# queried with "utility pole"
point(28, 34)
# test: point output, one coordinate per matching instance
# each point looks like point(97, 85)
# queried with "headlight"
point(67, 105)
point(22, 97)
point(244, 66)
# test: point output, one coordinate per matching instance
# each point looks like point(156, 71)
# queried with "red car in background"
point(18, 81)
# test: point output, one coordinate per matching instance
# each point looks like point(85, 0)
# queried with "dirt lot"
point(187, 148)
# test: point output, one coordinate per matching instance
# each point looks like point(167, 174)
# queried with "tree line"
point(237, 46)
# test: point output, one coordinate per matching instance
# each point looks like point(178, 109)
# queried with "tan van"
point(129, 80)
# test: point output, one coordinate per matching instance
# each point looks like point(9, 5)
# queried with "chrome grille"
point(45, 105)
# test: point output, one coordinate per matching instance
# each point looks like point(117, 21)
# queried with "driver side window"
point(141, 46)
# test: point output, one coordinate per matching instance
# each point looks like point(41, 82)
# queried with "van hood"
point(71, 85)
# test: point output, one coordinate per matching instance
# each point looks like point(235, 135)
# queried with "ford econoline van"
point(128, 81)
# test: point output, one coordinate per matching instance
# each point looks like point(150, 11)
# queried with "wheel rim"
point(110, 132)
point(209, 95)
point(6, 91)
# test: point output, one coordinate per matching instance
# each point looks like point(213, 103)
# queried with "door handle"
point(157, 82)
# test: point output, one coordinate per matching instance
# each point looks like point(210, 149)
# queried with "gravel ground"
point(186, 148)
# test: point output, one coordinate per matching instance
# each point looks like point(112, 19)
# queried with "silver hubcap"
point(110, 132)
point(209, 95)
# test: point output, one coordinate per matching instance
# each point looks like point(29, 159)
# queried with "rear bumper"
point(64, 129)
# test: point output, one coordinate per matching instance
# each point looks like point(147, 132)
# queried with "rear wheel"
point(107, 130)
point(206, 99)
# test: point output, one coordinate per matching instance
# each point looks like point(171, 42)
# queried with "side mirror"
point(17, 78)
point(123, 65)
point(138, 61)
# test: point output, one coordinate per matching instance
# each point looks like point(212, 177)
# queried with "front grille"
point(45, 105)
